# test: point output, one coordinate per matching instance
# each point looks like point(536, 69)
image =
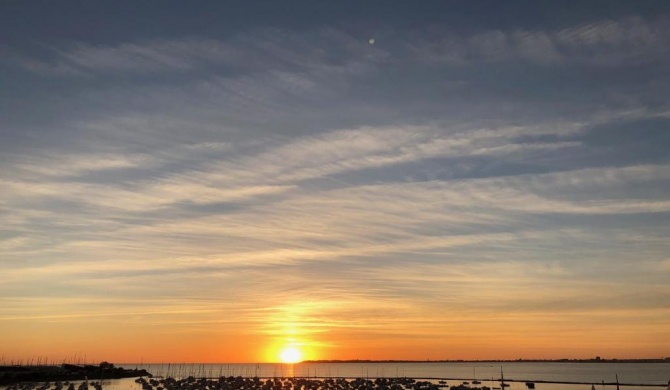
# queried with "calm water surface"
point(454, 373)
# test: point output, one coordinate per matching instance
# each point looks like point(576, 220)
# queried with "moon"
point(371, 41)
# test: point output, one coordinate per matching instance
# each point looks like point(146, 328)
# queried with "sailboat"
point(474, 378)
point(502, 380)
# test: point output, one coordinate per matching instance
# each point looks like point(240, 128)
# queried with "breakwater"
point(65, 372)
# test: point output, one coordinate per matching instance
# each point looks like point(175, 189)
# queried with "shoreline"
point(122, 373)
point(66, 372)
point(598, 361)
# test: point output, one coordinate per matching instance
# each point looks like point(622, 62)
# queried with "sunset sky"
point(215, 181)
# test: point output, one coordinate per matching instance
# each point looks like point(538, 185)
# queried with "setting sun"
point(290, 355)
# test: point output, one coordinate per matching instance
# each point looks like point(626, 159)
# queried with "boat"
point(502, 379)
point(474, 377)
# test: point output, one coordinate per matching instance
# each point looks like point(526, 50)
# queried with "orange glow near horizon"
point(385, 337)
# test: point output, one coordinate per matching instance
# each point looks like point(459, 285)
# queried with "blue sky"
point(483, 180)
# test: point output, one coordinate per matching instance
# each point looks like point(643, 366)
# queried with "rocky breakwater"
point(66, 372)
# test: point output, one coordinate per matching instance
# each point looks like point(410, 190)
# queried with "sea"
point(565, 375)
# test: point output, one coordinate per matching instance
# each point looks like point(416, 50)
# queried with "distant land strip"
point(595, 360)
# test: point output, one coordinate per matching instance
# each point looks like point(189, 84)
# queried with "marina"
point(377, 376)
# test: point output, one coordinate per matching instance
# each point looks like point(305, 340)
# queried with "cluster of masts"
point(283, 383)
point(242, 383)
point(37, 361)
point(84, 385)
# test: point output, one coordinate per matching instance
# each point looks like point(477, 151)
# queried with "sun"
point(290, 355)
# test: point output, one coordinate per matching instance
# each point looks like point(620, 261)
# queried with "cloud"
point(246, 52)
point(59, 165)
point(272, 180)
point(334, 52)
point(603, 43)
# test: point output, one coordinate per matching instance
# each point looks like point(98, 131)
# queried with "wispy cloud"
point(603, 43)
point(440, 184)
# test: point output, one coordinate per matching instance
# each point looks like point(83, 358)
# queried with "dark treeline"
point(65, 372)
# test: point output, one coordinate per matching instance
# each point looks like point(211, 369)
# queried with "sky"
point(217, 181)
